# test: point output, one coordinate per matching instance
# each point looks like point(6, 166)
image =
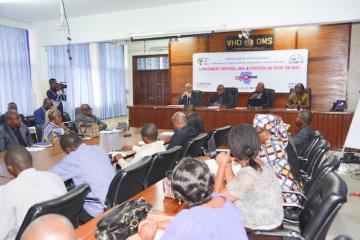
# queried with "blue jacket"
point(8, 138)
point(39, 116)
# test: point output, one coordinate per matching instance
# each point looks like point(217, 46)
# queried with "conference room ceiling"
point(44, 10)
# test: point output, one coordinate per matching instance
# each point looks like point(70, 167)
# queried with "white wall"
point(209, 14)
point(353, 81)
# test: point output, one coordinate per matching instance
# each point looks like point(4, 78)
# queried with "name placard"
point(255, 42)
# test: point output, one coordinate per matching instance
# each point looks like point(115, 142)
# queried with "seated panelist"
point(260, 93)
point(186, 97)
point(219, 98)
point(299, 99)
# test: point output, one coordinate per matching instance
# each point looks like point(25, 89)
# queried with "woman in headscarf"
point(273, 134)
point(54, 127)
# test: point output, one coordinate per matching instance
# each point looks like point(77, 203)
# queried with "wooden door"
point(151, 84)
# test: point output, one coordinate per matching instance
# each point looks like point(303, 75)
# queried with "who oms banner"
point(277, 69)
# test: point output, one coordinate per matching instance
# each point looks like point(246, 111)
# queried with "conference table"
point(333, 125)
point(153, 195)
point(45, 159)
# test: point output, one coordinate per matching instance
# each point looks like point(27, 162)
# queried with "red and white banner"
point(277, 69)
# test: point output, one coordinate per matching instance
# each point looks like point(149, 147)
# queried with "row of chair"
point(324, 192)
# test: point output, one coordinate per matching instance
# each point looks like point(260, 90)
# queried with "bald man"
point(28, 188)
point(14, 132)
point(182, 132)
point(260, 93)
point(187, 96)
point(86, 117)
point(50, 227)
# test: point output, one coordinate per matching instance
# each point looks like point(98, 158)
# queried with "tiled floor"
point(347, 220)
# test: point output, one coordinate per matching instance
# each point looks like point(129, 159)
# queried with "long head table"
point(334, 125)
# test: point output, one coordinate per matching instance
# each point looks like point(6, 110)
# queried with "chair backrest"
point(68, 205)
point(294, 162)
point(329, 163)
point(127, 182)
point(66, 117)
point(220, 135)
point(321, 143)
point(271, 93)
point(29, 121)
point(232, 95)
point(160, 164)
point(194, 146)
point(77, 111)
point(318, 154)
point(322, 206)
point(197, 97)
point(316, 137)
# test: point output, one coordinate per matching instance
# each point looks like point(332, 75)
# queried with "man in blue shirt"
point(39, 114)
point(85, 164)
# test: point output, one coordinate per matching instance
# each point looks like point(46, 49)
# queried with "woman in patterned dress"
point(273, 134)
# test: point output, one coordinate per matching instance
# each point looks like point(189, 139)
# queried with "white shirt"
point(143, 151)
point(17, 196)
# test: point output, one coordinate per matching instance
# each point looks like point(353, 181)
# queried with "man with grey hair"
point(50, 227)
point(149, 135)
point(187, 97)
point(306, 133)
point(85, 117)
point(260, 93)
point(182, 132)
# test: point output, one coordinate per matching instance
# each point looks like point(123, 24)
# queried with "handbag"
point(123, 221)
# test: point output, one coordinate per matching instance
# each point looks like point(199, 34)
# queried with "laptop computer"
point(212, 147)
point(255, 103)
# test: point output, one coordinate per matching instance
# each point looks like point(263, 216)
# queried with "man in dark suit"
point(306, 133)
point(194, 120)
point(260, 93)
point(182, 132)
point(189, 97)
point(12, 107)
point(219, 98)
point(39, 114)
point(13, 132)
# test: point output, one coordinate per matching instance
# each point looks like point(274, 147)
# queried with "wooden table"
point(154, 195)
point(334, 125)
point(45, 159)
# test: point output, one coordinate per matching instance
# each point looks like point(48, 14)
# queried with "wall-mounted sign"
point(255, 42)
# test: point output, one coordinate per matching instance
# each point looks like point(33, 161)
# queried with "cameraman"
point(56, 93)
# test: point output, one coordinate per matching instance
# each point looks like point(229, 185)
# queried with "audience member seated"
point(12, 107)
point(299, 99)
point(56, 93)
point(29, 187)
point(149, 135)
point(194, 120)
point(219, 98)
point(182, 132)
point(54, 128)
point(187, 97)
point(208, 216)
point(13, 132)
point(50, 227)
point(306, 133)
point(85, 164)
point(85, 117)
point(260, 93)
point(254, 190)
point(39, 114)
point(274, 139)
